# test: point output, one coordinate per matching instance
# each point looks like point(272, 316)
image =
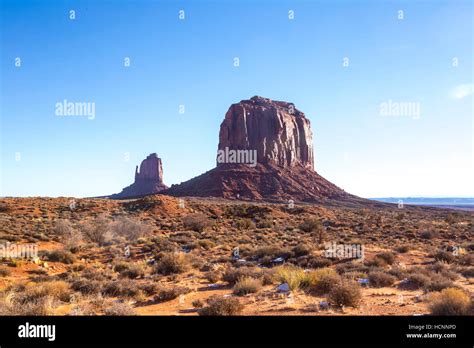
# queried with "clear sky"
point(423, 56)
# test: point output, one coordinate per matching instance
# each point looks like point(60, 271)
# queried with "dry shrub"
point(39, 307)
point(121, 287)
point(62, 256)
point(148, 288)
point(247, 285)
point(197, 304)
point(244, 224)
point(438, 282)
point(402, 249)
point(196, 222)
point(167, 294)
point(206, 244)
point(130, 229)
point(449, 301)
point(466, 260)
point(57, 290)
point(33, 299)
point(387, 257)
point(379, 279)
point(221, 306)
point(232, 275)
point(4, 272)
point(213, 276)
point(444, 256)
point(98, 231)
point(119, 309)
point(346, 293)
point(321, 281)
point(270, 252)
point(86, 286)
point(131, 270)
point(301, 250)
point(68, 235)
point(311, 225)
point(429, 234)
point(416, 281)
point(172, 263)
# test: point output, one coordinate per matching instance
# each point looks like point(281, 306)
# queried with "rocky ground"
point(161, 255)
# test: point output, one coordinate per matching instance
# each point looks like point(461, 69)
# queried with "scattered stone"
point(283, 287)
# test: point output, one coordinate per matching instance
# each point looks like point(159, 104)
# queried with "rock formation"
point(265, 152)
point(278, 132)
point(148, 180)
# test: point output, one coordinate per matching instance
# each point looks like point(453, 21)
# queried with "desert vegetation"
point(218, 257)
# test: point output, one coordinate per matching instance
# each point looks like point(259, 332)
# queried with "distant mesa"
point(265, 152)
point(148, 180)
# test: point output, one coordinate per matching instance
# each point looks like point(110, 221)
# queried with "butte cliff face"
point(278, 132)
point(265, 152)
point(148, 180)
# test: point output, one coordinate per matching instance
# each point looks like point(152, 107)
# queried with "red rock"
point(278, 132)
point(148, 180)
point(281, 137)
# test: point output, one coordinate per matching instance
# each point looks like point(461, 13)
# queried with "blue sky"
point(190, 62)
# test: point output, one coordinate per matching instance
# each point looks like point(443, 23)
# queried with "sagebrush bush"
point(387, 256)
point(57, 290)
point(4, 272)
point(346, 293)
point(167, 294)
point(247, 285)
point(232, 275)
point(119, 309)
point(173, 263)
point(444, 256)
point(68, 235)
point(271, 252)
point(133, 270)
point(311, 225)
point(449, 301)
point(39, 307)
point(301, 250)
point(438, 282)
point(121, 287)
point(221, 306)
point(402, 249)
point(416, 281)
point(129, 228)
point(97, 231)
point(322, 280)
point(244, 224)
point(466, 260)
point(381, 279)
point(62, 256)
point(86, 286)
point(196, 222)
point(429, 234)
point(197, 303)
point(213, 276)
